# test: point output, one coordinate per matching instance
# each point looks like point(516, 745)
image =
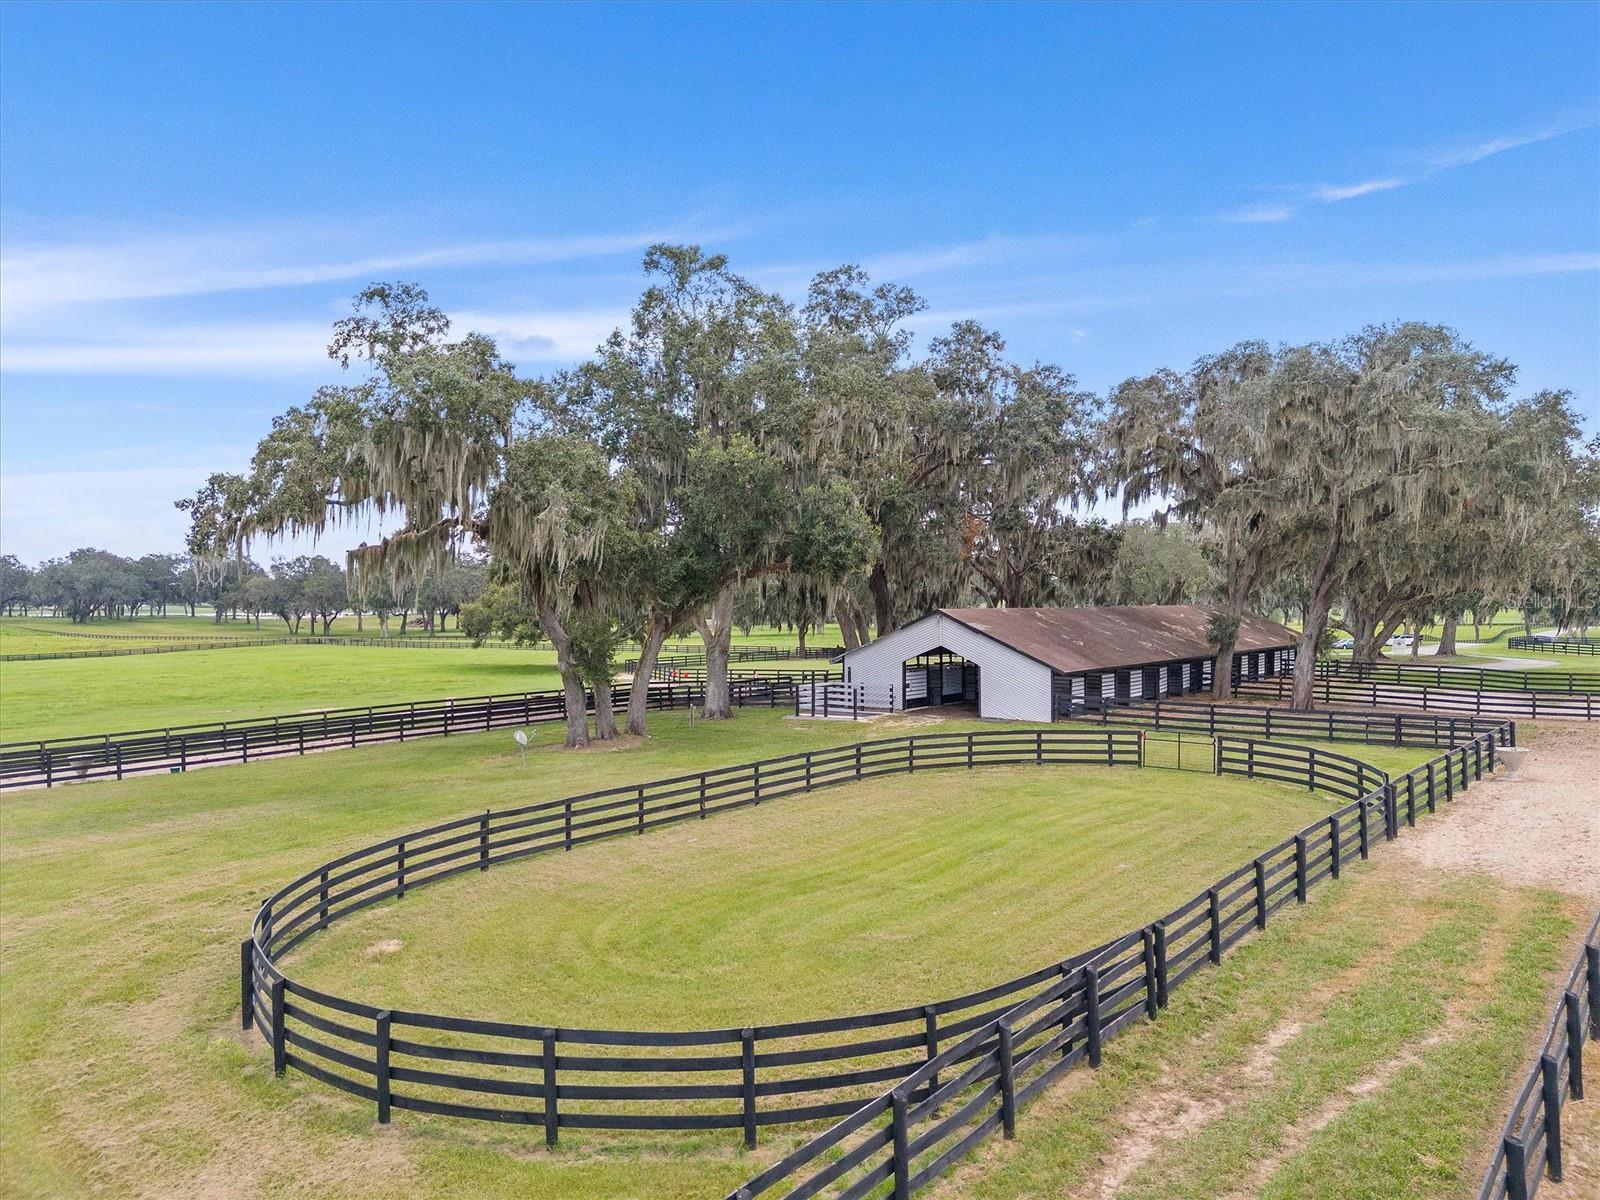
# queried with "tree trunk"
point(800, 636)
point(1222, 669)
point(605, 712)
point(717, 634)
point(358, 620)
point(1317, 609)
point(571, 684)
point(1447, 636)
point(1416, 642)
point(882, 610)
point(639, 689)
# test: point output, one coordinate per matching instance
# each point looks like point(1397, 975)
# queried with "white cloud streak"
point(38, 278)
point(1329, 193)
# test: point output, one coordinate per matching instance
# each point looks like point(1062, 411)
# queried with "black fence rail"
point(607, 1078)
point(1327, 725)
point(696, 658)
point(179, 748)
point(1506, 705)
point(1555, 645)
point(1471, 678)
point(906, 1137)
point(1530, 1145)
point(670, 674)
point(949, 1060)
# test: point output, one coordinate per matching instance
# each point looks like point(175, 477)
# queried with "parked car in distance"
point(1403, 639)
point(1344, 643)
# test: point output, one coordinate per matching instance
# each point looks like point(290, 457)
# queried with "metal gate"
point(1176, 750)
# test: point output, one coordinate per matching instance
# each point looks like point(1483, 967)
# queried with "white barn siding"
point(1011, 686)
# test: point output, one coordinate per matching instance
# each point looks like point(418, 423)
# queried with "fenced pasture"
point(153, 871)
point(1022, 1033)
point(48, 762)
point(1556, 645)
point(1470, 678)
point(1495, 703)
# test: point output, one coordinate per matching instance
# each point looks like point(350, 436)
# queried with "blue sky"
point(189, 195)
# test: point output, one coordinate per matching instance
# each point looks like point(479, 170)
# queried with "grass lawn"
point(814, 907)
point(58, 697)
point(1361, 1050)
point(124, 1072)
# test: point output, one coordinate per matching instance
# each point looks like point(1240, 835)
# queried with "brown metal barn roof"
point(1090, 639)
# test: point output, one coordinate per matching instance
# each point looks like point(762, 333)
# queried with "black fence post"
point(1008, 1081)
point(551, 1120)
point(382, 1066)
point(930, 1033)
point(400, 870)
point(1261, 894)
point(1299, 868)
point(747, 1040)
point(1363, 813)
point(900, 1150)
point(247, 983)
point(1214, 910)
point(1591, 955)
point(1091, 1012)
point(1516, 1168)
point(1411, 803)
point(280, 1053)
point(1575, 1031)
point(1551, 1083)
point(1161, 963)
point(1151, 1005)
point(1333, 840)
point(640, 800)
point(322, 898)
point(483, 841)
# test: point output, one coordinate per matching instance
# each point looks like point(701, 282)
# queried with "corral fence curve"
point(1555, 645)
point(958, 1066)
point(409, 642)
point(1530, 1144)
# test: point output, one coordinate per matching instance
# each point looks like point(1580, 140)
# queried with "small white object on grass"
point(522, 744)
point(1513, 757)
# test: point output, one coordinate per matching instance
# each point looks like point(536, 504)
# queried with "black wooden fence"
point(959, 1065)
point(1326, 725)
point(1555, 645)
point(1506, 705)
point(410, 642)
point(1471, 678)
point(696, 659)
point(907, 1136)
point(1530, 1145)
point(178, 748)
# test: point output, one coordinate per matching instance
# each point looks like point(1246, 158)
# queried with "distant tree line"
point(728, 457)
point(308, 593)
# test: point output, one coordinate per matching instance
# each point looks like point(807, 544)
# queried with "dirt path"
point(1542, 830)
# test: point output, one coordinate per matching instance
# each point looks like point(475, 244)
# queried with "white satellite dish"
point(522, 744)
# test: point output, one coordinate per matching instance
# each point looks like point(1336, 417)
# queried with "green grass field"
point(124, 904)
point(816, 907)
point(59, 697)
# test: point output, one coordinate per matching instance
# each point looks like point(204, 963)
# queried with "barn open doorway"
point(937, 678)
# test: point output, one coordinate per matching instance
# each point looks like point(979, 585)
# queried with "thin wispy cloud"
point(1430, 165)
point(1332, 194)
point(1259, 214)
point(42, 277)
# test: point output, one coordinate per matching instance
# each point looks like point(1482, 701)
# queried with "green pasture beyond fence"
point(911, 1090)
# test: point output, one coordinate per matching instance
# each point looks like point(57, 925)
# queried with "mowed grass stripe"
point(1294, 1060)
point(890, 892)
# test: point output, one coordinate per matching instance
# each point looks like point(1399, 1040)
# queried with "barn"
point(1035, 664)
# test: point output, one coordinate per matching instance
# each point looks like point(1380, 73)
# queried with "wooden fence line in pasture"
point(906, 1137)
point(1331, 689)
point(410, 642)
point(1555, 645)
point(178, 748)
point(956, 1068)
point(1530, 1144)
point(1328, 724)
point(1472, 678)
